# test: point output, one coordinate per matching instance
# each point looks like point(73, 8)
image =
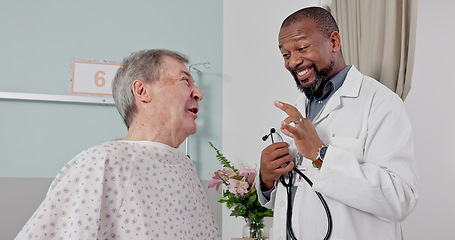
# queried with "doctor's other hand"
point(305, 137)
point(273, 158)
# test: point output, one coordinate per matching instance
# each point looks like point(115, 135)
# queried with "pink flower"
point(238, 187)
point(248, 173)
point(216, 180)
point(238, 182)
point(229, 172)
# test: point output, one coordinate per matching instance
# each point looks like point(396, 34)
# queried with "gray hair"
point(144, 65)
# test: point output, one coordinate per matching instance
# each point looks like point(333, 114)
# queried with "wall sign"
point(92, 77)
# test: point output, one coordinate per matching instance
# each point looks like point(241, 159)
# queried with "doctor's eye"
point(304, 48)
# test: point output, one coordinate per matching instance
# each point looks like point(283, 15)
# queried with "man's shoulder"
point(105, 148)
point(96, 159)
point(101, 153)
point(371, 86)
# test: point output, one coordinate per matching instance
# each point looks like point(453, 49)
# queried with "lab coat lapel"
point(350, 88)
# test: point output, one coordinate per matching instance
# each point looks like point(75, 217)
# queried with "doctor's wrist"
point(319, 159)
point(264, 185)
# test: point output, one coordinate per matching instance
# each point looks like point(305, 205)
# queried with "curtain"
point(378, 37)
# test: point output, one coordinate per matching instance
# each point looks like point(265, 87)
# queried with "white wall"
point(430, 105)
point(254, 76)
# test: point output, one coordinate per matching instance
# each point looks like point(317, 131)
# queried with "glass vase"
point(255, 230)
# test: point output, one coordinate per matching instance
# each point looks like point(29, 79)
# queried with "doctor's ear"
point(335, 41)
point(141, 91)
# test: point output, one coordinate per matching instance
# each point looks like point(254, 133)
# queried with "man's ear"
point(141, 91)
point(335, 41)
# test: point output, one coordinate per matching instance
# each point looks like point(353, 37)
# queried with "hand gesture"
point(301, 129)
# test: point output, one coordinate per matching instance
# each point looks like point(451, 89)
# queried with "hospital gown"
point(125, 190)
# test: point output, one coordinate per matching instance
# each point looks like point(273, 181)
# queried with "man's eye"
point(285, 55)
point(187, 81)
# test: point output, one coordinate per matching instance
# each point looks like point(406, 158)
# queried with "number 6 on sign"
point(92, 78)
point(100, 81)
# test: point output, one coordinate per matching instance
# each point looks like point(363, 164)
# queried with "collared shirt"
point(317, 103)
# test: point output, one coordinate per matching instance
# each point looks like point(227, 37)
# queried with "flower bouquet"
point(240, 195)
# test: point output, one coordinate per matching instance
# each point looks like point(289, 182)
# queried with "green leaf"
point(223, 160)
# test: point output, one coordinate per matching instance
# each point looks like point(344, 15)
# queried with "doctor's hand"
point(305, 137)
point(273, 158)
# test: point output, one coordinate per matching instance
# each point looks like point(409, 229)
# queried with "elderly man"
point(140, 187)
point(353, 139)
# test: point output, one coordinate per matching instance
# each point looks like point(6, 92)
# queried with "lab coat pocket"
point(352, 145)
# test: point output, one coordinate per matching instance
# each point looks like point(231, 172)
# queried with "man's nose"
point(295, 60)
point(197, 94)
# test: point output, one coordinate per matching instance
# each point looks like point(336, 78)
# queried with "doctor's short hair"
point(145, 65)
point(323, 18)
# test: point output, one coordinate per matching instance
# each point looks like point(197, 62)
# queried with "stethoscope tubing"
point(289, 185)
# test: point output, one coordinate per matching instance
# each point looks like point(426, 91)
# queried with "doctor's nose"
point(294, 61)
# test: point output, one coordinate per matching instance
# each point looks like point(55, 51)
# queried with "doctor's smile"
point(303, 74)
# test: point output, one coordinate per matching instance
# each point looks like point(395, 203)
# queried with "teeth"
point(303, 72)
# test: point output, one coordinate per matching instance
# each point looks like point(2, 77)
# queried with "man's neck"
point(147, 131)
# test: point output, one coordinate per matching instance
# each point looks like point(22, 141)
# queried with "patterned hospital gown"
point(125, 190)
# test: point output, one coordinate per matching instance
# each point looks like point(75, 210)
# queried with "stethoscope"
point(290, 184)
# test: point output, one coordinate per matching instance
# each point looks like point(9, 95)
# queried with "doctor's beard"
point(321, 79)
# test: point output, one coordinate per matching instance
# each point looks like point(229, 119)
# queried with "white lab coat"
point(368, 177)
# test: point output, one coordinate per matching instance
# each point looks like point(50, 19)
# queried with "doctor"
point(353, 137)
